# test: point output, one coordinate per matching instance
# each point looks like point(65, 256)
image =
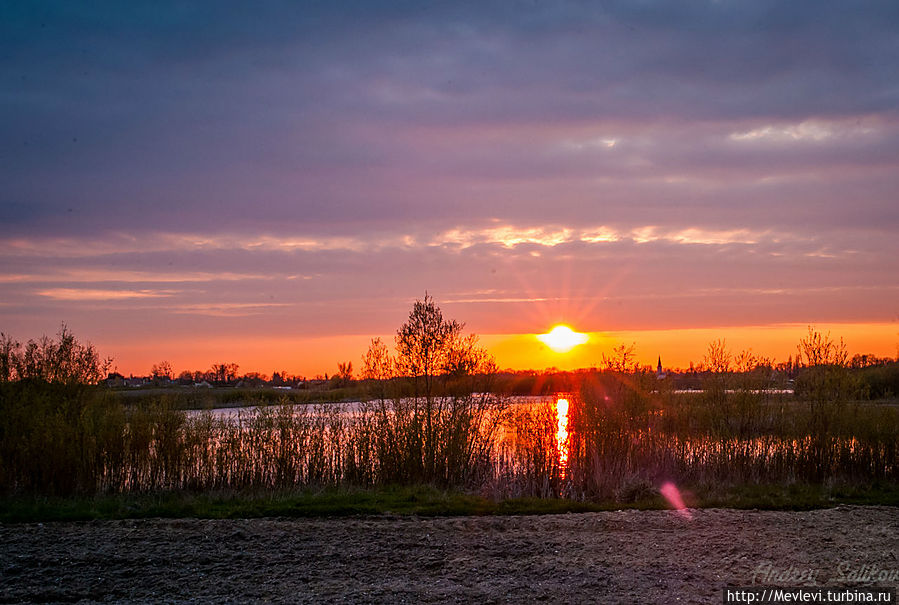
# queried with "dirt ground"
point(615, 557)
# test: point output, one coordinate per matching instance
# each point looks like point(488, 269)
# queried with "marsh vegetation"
point(434, 415)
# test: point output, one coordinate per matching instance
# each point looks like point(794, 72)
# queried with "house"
point(115, 380)
point(136, 382)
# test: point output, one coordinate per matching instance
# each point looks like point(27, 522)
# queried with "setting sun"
point(562, 339)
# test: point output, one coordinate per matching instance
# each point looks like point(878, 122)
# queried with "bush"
point(63, 360)
point(880, 382)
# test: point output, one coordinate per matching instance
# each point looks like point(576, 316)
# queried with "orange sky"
point(678, 347)
point(311, 356)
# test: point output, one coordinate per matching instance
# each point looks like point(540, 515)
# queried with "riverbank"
point(420, 500)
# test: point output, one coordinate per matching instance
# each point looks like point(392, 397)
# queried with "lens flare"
point(673, 495)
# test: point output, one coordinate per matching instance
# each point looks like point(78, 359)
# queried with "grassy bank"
point(421, 501)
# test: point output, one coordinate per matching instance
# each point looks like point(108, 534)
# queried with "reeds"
point(65, 440)
point(625, 438)
point(639, 438)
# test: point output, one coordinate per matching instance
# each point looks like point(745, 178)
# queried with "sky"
point(275, 183)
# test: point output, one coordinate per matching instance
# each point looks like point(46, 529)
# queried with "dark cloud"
point(373, 121)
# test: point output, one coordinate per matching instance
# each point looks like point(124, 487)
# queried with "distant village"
point(764, 373)
point(226, 375)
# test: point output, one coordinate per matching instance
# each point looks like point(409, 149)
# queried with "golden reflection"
point(562, 431)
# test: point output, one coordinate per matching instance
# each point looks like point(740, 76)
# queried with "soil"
point(614, 557)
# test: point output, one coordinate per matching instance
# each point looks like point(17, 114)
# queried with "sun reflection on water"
point(562, 432)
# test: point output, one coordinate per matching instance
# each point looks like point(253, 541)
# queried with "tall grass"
point(626, 436)
point(74, 440)
point(529, 462)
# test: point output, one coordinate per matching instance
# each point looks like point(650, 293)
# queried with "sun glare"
point(562, 339)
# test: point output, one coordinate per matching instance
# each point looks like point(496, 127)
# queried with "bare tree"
point(717, 358)
point(448, 415)
point(377, 369)
point(10, 358)
point(422, 343)
point(162, 371)
point(60, 360)
point(429, 346)
point(224, 372)
point(819, 349)
point(377, 364)
point(622, 359)
point(825, 381)
point(345, 371)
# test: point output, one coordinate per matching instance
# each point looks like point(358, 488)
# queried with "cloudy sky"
point(274, 183)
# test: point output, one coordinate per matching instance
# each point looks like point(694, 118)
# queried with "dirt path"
point(626, 557)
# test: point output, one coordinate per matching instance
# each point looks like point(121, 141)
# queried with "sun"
point(562, 339)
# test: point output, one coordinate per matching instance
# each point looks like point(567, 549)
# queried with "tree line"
point(428, 347)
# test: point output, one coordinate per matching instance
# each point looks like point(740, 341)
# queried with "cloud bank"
point(311, 168)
